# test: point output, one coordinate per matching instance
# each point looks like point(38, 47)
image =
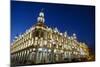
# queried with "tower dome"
point(41, 17)
point(41, 14)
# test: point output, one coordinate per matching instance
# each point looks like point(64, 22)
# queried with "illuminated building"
point(42, 44)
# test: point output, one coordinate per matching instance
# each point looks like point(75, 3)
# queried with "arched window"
point(42, 33)
point(37, 33)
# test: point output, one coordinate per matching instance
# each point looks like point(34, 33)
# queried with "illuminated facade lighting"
point(41, 44)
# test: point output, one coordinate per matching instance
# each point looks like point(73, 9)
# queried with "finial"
point(65, 33)
point(56, 29)
point(42, 10)
point(74, 35)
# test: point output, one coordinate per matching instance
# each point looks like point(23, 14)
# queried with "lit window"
point(40, 49)
point(33, 49)
point(55, 50)
point(49, 50)
point(45, 42)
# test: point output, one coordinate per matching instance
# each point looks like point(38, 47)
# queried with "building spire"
point(41, 16)
point(42, 10)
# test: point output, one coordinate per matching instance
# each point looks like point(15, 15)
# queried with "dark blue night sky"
point(71, 18)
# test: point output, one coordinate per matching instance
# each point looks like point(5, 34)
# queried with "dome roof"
point(41, 14)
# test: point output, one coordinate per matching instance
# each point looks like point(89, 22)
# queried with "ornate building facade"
point(42, 44)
